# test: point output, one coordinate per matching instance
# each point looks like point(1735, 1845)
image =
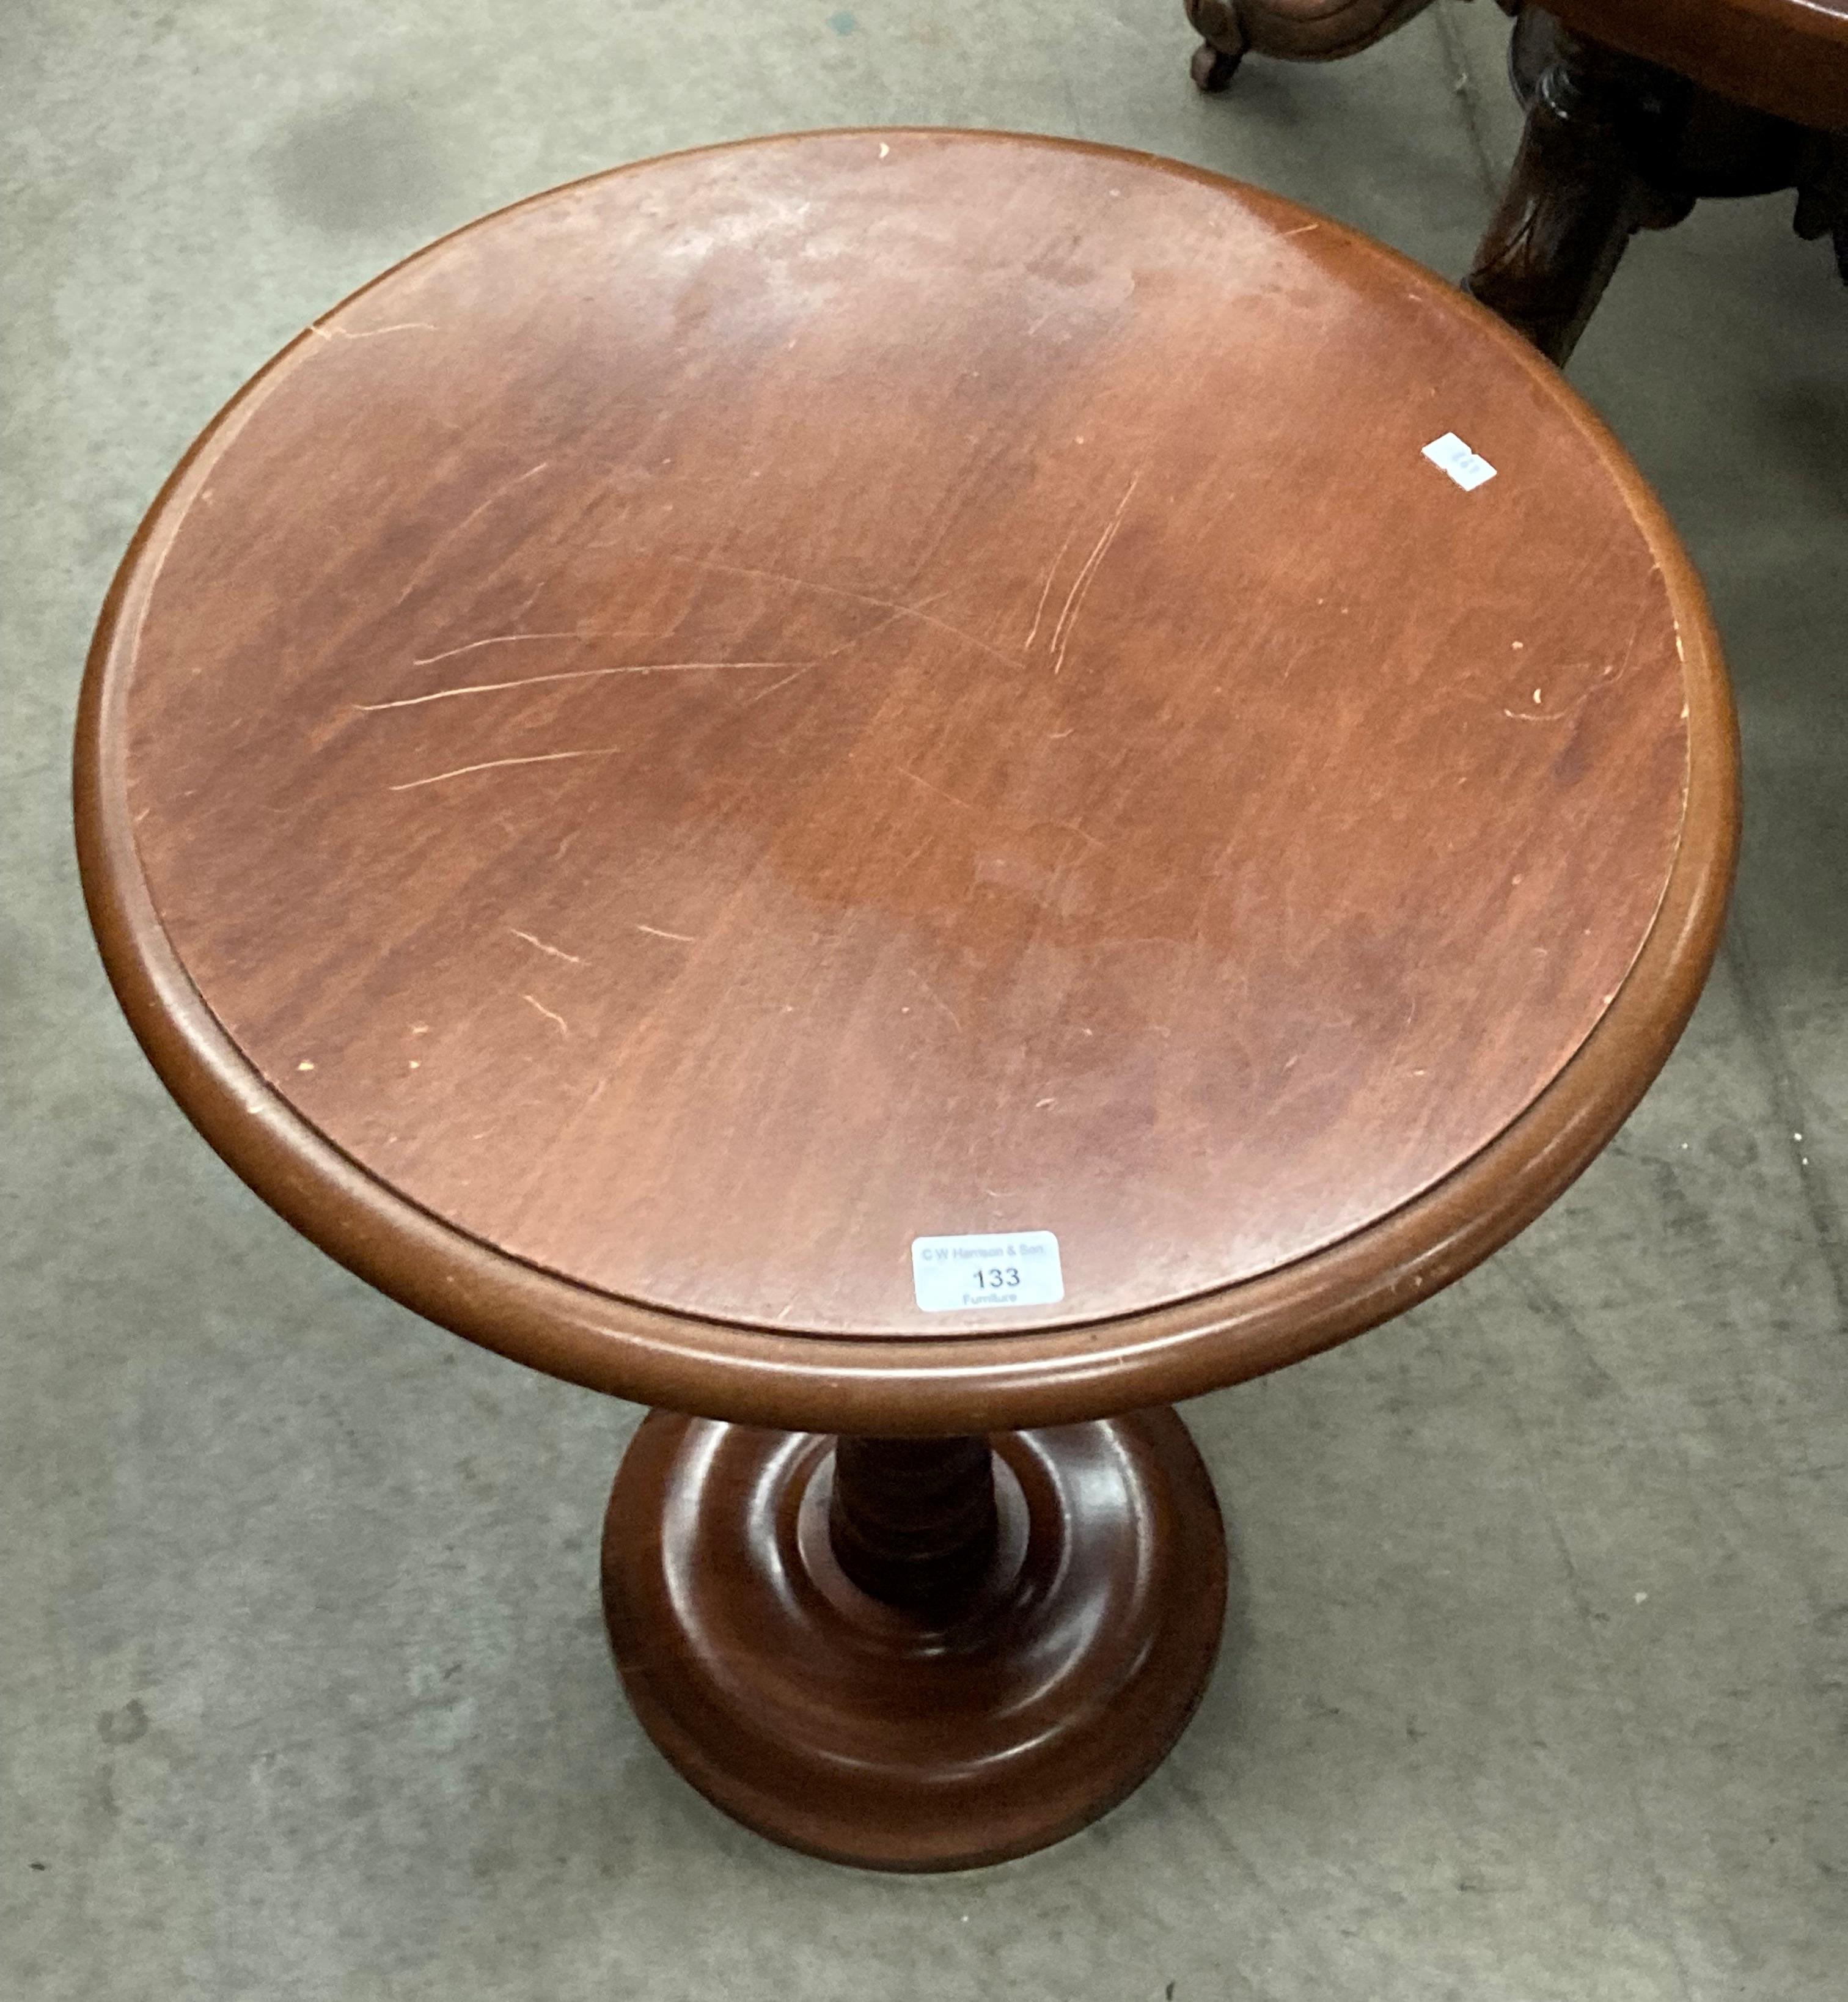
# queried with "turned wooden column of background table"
point(752, 716)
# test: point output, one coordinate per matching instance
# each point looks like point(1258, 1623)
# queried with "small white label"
point(1013, 1268)
point(1459, 461)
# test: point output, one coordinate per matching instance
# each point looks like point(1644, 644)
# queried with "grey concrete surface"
point(1533, 1684)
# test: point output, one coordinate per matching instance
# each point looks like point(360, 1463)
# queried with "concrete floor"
point(1533, 1684)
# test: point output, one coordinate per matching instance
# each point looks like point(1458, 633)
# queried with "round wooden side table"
point(931, 788)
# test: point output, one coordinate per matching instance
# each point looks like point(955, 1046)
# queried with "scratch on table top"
point(474, 513)
point(371, 333)
point(896, 607)
point(493, 639)
point(571, 958)
point(495, 764)
point(655, 931)
point(574, 674)
point(879, 625)
point(774, 686)
point(938, 790)
point(938, 999)
point(1039, 610)
point(1068, 618)
point(1609, 676)
point(531, 1001)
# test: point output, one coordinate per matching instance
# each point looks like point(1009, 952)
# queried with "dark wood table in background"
point(772, 708)
point(1636, 110)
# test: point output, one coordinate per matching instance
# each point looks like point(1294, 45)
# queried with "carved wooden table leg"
point(1574, 198)
point(1298, 30)
point(1823, 193)
point(914, 1654)
point(1615, 144)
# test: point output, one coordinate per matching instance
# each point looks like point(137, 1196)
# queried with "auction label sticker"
point(1011, 1269)
point(1468, 469)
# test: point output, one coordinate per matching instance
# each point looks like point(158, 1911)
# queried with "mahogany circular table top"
point(865, 686)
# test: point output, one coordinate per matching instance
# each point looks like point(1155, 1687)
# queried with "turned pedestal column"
point(914, 1653)
point(764, 783)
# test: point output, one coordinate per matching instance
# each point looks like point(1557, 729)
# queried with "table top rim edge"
point(220, 1091)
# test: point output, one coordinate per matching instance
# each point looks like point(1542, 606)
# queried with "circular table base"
point(834, 1724)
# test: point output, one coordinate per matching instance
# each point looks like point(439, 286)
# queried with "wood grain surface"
point(893, 1739)
point(875, 684)
point(1789, 57)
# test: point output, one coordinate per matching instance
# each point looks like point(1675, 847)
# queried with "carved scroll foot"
point(1222, 46)
point(1212, 68)
point(1296, 30)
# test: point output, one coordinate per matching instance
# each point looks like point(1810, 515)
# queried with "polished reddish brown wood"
point(903, 1738)
point(1789, 57)
point(784, 700)
point(1302, 30)
point(716, 723)
point(913, 1521)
